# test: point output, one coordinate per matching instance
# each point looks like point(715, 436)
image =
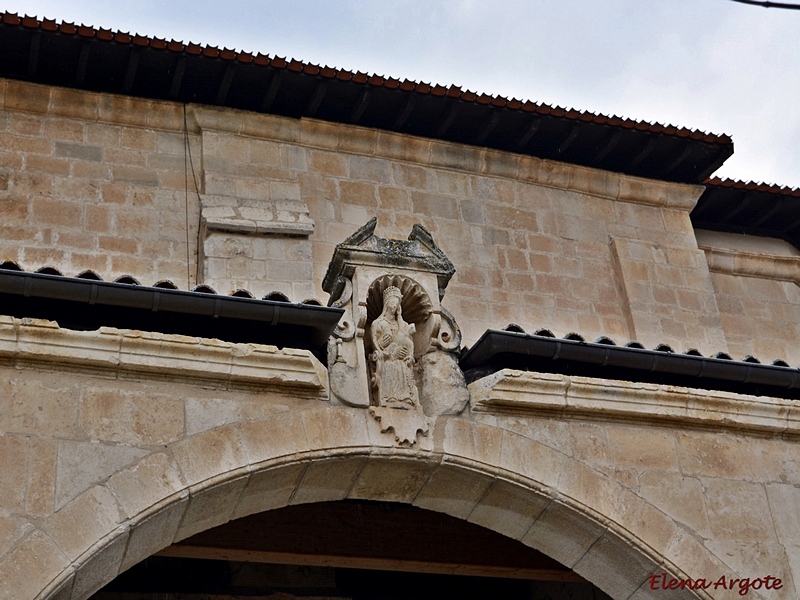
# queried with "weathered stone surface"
point(328, 480)
point(443, 390)
point(210, 506)
point(508, 509)
point(139, 437)
point(81, 464)
point(100, 514)
point(614, 566)
point(563, 534)
point(391, 479)
point(153, 533)
point(453, 490)
point(272, 488)
point(27, 569)
point(101, 567)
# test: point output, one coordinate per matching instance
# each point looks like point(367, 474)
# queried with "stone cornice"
point(526, 393)
point(168, 116)
point(129, 354)
point(753, 264)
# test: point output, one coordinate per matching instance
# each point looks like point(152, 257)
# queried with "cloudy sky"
point(713, 65)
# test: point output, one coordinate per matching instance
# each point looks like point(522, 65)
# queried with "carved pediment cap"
point(419, 253)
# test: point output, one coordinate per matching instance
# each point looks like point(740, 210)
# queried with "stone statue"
point(393, 354)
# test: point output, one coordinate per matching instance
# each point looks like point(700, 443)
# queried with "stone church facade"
point(441, 268)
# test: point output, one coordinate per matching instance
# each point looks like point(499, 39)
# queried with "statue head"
point(391, 299)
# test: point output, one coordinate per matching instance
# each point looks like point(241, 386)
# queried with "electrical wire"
point(768, 4)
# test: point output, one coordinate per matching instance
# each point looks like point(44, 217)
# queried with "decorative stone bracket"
point(395, 349)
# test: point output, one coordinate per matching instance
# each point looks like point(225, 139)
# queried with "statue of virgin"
point(393, 354)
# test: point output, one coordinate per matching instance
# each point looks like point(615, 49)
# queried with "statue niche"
point(393, 355)
point(395, 350)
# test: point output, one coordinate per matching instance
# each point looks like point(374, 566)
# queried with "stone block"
point(534, 460)
point(335, 428)
point(27, 97)
point(412, 176)
point(210, 506)
point(434, 205)
point(642, 448)
point(13, 457)
point(391, 479)
point(615, 566)
point(79, 151)
point(358, 140)
point(280, 435)
point(41, 485)
point(738, 511)
point(501, 164)
point(12, 529)
point(361, 193)
point(403, 147)
point(753, 560)
point(454, 490)
point(329, 480)
point(81, 464)
point(327, 163)
point(650, 524)
point(450, 183)
point(209, 454)
point(370, 169)
point(100, 568)
point(563, 534)
point(145, 484)
point(509, 509)
point(784, 501)
point(28, 568)
point(320, 134)
point(135, 175)
point(136, 419)
point(679, 496)
point(60, 588)
point(455, 156)
point(97, 512)
point(269, 489)
point(152, 534)
point(458, 437)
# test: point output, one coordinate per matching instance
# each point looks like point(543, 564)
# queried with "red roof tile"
point(769, 188)
point(375, 80)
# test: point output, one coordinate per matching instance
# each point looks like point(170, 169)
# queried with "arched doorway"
point(350, 549)
point(504, 482)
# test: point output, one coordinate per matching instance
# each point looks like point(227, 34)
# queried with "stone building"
point(550, 358)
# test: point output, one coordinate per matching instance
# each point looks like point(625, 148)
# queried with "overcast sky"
point(713, 65)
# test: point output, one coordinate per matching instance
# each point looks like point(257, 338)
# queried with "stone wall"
point(112, 446)
point(99, 182)
point(105, 464)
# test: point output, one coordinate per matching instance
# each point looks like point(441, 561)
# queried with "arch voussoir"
point(472, 471)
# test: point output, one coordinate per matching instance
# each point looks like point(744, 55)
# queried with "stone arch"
point(483, 474)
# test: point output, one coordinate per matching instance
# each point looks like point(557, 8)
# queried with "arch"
point(473, 471)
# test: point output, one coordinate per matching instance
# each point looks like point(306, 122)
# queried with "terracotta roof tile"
point(453, 91)
point(769, 188)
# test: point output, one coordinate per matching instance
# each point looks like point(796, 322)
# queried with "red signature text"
point(662, 581)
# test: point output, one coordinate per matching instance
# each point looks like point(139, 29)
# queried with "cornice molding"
point(137, 355)
point(753, 264)
point(533, 394)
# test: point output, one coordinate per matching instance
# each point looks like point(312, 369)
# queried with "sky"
point(713, 65)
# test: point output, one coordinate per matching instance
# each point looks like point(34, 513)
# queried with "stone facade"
point(114, 444)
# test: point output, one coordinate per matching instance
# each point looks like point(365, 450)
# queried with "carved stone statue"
point(393, 354)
